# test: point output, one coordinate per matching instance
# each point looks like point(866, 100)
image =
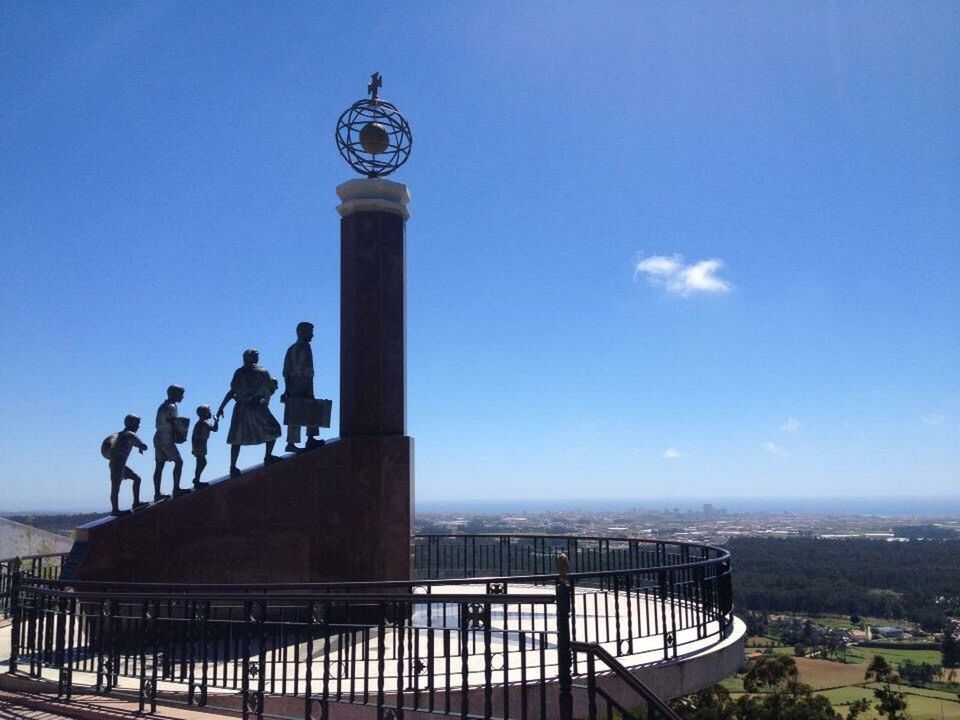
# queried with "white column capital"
point(373, 195)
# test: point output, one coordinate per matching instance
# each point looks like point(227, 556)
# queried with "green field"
point(843, 683)
point(925, 692)
point(927, 708)
point(734, 685)
point(857, 655)
point(920, 707)
point(842, 621)
point(828, 674)
point(865, 654)
point(761, 641)
point(846, 695)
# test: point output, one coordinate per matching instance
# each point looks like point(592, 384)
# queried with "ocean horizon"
point(943, 506)
point(932, 506)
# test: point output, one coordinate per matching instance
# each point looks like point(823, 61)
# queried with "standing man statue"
point(298, 382)
point(251, 422)
point(165, 442)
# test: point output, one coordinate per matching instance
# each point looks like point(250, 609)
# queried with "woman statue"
point(251, 423)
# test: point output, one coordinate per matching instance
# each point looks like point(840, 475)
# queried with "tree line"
point(774, 692)
point(918, 580)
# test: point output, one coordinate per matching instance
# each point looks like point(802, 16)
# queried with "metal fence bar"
point(424, 639)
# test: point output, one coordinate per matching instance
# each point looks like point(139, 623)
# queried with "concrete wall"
point(17, 539)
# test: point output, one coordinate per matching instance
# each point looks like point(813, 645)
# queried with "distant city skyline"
point(655, 250)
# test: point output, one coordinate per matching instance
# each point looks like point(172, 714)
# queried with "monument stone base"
point(342, 512)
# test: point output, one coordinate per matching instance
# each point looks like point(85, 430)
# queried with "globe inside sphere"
point(374, 138)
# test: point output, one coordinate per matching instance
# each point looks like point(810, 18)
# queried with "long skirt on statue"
point(252, 423)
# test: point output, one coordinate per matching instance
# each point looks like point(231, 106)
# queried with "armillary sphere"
point(372, 135)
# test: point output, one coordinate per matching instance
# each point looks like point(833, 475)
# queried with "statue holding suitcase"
point(301, 408)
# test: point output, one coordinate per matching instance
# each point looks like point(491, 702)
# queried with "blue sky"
point(656, 249)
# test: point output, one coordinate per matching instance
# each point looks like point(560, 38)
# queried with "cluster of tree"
point(891, 703)
point(831, 644)
point(774, 692)
point(807, 639)
point(917, 580)
point(950, 645)
point(757, 622)
point(914, 673)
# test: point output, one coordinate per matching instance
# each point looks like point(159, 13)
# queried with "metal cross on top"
point(376, 82)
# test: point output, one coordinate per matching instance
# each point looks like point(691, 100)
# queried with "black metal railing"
point(600, 698)
point(510, 648)
point(438, 557)
point(45, 566)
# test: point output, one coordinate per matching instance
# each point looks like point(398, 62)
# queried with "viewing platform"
point(488, 629)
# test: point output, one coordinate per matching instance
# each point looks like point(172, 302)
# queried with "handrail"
point(359, 598)
point(595, 650)
point(426, 635)
point(717, 556)
point(40, 556)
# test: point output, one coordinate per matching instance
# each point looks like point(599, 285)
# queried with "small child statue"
point(201, 433)
point(116, 448)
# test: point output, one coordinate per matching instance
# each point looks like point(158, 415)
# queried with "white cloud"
point(932, 419)
point(775, 449)
point(791, 425)
point(680, 278)
point(671, 454)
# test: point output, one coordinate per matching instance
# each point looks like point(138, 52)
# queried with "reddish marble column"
point(341, 512)
point(372, 307)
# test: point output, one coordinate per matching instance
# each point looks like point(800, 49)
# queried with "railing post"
point(725, 597)
point(61, 640)
point(591, 687)
point(564, 653)
point(15, 613)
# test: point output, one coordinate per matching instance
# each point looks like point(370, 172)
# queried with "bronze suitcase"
point(307, 412)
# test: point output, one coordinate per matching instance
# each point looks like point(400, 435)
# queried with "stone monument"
point(342, 511)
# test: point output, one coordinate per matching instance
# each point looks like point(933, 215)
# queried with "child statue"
point(117, 448)
point(201, 433)
point(164, 442)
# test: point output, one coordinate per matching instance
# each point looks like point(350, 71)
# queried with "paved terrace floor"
point(41, 706)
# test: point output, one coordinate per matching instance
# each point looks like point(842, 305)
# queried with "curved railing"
point(46, 566)
point(484, 629)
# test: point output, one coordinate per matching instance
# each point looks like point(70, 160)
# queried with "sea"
point(942, 506)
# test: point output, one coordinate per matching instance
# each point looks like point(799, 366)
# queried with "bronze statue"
point(298, 384)
point(373, 87)
point(201, 433)
point(170, 431)
point(251, 422)
point(372, 135)
point(116, 448)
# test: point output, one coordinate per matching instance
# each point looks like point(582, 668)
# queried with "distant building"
point(708, 509)
point(17, 540)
